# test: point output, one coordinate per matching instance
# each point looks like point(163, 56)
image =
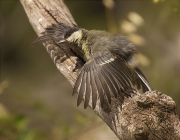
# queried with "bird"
point(110, 68)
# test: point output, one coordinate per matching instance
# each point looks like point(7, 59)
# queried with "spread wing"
point(104, 76)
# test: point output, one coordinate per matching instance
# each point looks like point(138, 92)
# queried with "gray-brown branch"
point(151, 115)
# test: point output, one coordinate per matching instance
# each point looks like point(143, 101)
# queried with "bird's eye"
point(68, 34)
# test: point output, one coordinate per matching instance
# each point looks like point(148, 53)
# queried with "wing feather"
point(88, 90)
point(94, 90)
point(82, 89)
point(144, 82)
point(78, 82)
point(99, 87)
point(106, 75)
point(107, 86)
point(113, 87)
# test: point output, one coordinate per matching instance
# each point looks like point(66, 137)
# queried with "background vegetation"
point(35, 99)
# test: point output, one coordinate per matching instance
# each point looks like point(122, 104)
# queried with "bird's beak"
point(62, 41)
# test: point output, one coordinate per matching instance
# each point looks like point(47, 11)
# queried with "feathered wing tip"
point(104, 76)
point(142, 79)
point(55, 32)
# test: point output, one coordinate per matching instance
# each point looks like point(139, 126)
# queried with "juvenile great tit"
point(110, 69)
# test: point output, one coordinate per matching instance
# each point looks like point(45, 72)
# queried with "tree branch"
point(151, 115)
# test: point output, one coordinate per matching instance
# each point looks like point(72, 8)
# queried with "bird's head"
point(74, 35)
point(60, 33)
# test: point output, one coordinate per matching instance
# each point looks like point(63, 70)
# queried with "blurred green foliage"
point(35, 99)
point(14, 127)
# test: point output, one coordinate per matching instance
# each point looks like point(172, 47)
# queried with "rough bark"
point(151, 115)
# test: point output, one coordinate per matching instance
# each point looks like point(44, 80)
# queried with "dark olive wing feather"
point(88, 89)
point(94, 90)
point(99, 86)
point(82, 89)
